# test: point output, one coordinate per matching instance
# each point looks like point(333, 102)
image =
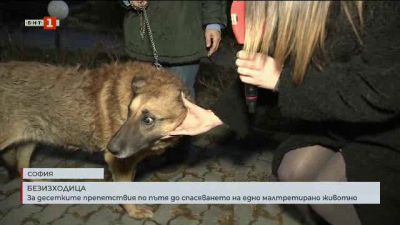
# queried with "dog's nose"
point(114, 147)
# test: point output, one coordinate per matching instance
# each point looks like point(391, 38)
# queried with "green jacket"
point(177, 28)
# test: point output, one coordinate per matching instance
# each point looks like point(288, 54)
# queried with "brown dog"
point(123, 109)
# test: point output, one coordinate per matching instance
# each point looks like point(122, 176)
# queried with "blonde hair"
point(294, 28)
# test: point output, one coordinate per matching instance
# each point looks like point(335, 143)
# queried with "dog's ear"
point(138, 82)
point(185, 93)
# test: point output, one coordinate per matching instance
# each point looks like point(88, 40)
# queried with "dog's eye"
point(147, 120)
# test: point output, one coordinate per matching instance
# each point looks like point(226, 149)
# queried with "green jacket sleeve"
point(214, 12)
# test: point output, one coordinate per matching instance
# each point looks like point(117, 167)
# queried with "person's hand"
point(138, 3)
point(197, 121)
point(213, 38)
point(258, 69)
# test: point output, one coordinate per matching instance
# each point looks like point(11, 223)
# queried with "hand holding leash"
point(138, 4)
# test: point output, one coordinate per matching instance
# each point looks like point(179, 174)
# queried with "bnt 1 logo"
point(48, 23)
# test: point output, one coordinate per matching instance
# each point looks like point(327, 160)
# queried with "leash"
point(145, 26)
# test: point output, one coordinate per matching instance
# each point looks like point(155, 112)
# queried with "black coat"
point(353, 104)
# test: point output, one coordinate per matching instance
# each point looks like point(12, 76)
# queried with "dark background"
point(108, 14)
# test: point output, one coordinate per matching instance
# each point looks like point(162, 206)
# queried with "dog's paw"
point(140, 213)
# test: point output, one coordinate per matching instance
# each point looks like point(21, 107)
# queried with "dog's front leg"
point(124, 170)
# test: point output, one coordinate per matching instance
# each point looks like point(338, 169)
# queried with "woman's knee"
point(294, 172)
point(334, 170)
point(303, 164)
point(337, 214)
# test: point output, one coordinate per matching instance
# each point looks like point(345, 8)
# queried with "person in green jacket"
point(183, 32)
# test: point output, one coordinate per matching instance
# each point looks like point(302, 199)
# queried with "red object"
point(22, 190)
point(49, 23)
point(22, 186)
point(238, 20)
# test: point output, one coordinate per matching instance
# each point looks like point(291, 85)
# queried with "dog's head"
point(155, 110)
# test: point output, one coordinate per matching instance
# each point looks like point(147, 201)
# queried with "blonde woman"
point(336, 68)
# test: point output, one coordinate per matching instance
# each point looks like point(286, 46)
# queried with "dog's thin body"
point(41, 103)
point(42, 108)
